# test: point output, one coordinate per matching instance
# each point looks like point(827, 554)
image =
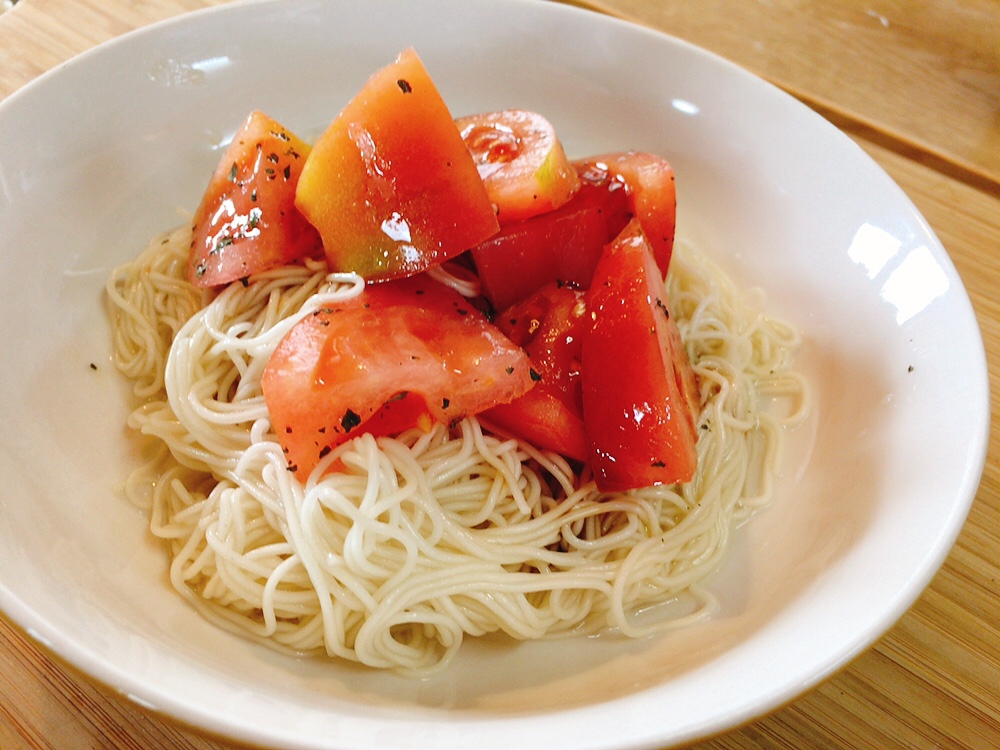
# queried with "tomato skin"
point(345, 364)
point(549, 326)
point(400, 413)
point(561, 245)
point(246, 221)
point(640, 397)
point(649, 180)
point(389, 184)
point(542, 419)
point(521, 162)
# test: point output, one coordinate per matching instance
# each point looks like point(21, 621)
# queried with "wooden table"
point(917, 84)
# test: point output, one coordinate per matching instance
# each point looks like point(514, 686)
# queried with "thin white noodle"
point(422, 539)
point(458, 278)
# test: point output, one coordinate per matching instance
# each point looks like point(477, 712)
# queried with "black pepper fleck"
point(350, 420)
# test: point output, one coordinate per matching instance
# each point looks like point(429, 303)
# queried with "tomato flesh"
point(521, 162)
point(400, 413)
point(541, 419)
point(640, 397)
point(246, 221)
point(549, 326)
point(561, 245)
point(414, 337)
point(649, 180)
point(389, 184)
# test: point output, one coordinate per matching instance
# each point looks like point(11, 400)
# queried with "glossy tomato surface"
point(247, 221)
point(413, 337)
point(652, 194)
point(560, 245)
point(389, 184)
point(549, 326)
point(639, 392)
point(521, 161)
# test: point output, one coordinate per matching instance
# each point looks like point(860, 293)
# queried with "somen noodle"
point(395, 549)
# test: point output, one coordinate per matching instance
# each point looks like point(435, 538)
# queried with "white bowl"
point(101, 153)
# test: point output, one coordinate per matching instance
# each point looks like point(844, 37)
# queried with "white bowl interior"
point(103, 152)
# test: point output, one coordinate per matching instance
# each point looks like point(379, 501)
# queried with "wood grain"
point(38, 35)
point(933, 681)
point(922, 76)
point(917, 84)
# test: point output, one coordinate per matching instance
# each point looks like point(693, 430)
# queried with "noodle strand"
point(422, 539)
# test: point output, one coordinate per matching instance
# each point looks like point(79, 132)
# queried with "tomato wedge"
point(640, 397)
point(389, 184)
point(398, 414)
point(543, 420)
point(561, 245)
point(649, 180)
point(549, 326)
point(247, 221)
point(413, 337)
point(521, 161)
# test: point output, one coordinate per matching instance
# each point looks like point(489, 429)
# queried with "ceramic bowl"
point(105, 151)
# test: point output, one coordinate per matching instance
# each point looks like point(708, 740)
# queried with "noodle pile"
point(419, 540)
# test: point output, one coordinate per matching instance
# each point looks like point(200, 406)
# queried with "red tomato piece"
point(640, 397)
point(389, 184)
point(561, 245)
point(398, 414)
point(541, 419)
point(247, 221)
point(549, 326)
point(521, 161)
point(649, 180)
point(338, 367)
